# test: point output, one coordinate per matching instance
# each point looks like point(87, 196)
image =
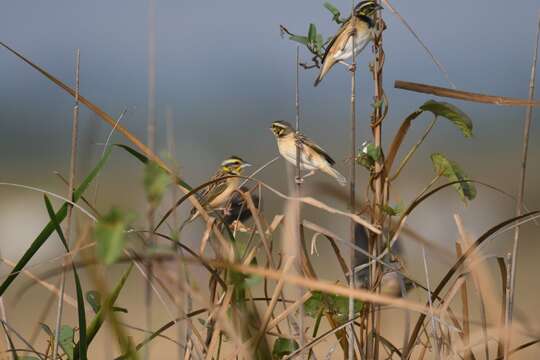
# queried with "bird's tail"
point(324, 69)
point(334, 173)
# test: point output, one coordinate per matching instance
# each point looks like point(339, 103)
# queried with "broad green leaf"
point(314, 304)
point(369, 155)
point(283, 347)
point(50, 227)
point(110, 235)
point(108, 303)
point(66, 340)
point(451, 170)
point(452, 113)
point(312, 34)
point(299, 39)
point(156, 181)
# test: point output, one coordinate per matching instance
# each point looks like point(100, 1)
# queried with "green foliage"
point(392, 211)
point(110, 235)
point(451, 170)
point(452, 113)
point(156, 181)
point(336, 14)
point(108, 304)
point(94, 299)
point(369, 155)
point(336, 305)
point(51, 226)
point(65, 340)
point(283, 347)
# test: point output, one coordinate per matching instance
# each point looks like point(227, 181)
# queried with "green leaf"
point(334, 10)
point(314, 304)
point(369, 155)
point(392, 211)
point(452, 113)
point(50, 227)
point(451, 170)
point(156, 181)
point(319, 43)
point(108, 303)
point(66, 340)
point(312, 34)
point(142, 158)
point(284, 347)
point(110, 235)
point(336, 14)
point(94, 299)
point(336, 305)
point(299, 39)
point(81, 312)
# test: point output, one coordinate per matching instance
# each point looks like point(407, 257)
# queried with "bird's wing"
point(316, 148)
point(339, 41)
point(212, 191)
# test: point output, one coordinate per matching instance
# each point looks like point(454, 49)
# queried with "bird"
point(312, 158)
point(361, 26)
point(393, 282)
point(219, 193)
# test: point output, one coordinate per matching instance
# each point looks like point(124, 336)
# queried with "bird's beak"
point(245, 165)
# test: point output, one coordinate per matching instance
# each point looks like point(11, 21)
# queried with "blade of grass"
point(97, 321)
point(81, 312)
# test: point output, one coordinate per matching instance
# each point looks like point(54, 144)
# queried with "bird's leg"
point(351, 67)
point(308, 174)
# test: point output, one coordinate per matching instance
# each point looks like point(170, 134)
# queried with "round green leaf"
point(283, 347)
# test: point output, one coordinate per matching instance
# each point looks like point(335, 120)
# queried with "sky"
point(224, 73)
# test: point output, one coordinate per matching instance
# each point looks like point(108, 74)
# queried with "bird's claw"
point(299, 179)
point(352, 67)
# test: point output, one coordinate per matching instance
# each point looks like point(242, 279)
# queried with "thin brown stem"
point(521, 192)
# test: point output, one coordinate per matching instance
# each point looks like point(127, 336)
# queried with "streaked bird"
point(361, 27)
point(393, 282)
point(312, 156)
point(219, 193)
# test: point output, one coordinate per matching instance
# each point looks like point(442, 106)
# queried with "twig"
point(71, 182)
point(352, 186)
point(430, 302)
point(521, 193)
point(463, 95)
point(409, 27)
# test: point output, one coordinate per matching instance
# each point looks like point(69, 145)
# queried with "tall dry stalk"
point(521, 193)
point(352, 193)
point(71, 182)
point(298, 190)
point(151, 141)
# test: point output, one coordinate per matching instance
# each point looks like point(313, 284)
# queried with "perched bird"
point(312, 156)
point(218, 193)
point(361, 26)
point(393, 282)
